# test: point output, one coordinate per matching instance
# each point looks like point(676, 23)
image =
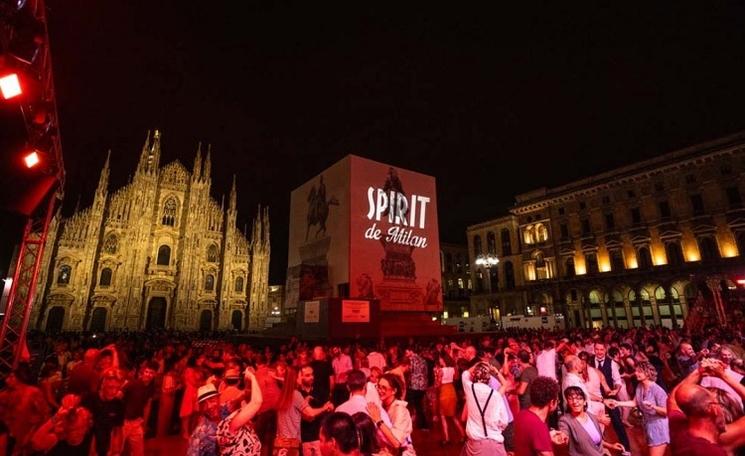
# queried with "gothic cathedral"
point(158, 253)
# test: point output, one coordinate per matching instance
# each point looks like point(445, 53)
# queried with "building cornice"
point(631, 174)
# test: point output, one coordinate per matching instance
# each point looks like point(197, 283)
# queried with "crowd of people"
point(577, 392)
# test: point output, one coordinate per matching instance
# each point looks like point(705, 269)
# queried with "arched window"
point(164, 255)
point(209, 282)
point(239, 285)
point(509, 275)
point(170, 208)
point(659, 294)
point(105, 277)
point(506, 242)
point(541, 232)
point(111, 244)
point(708, 248)
point(616, 260)
point(646, 306)
point(491, 243)
point(493, 279)
point(569, 267)
point(63, 276)
point(529, 234)
point(212, 254)
point(477, 250)
point(674, 253)
point(645, 259)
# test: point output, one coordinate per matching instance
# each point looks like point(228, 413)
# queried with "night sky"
point(492, 102)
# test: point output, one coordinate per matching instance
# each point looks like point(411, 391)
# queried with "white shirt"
point(342, 364)
point(371, 394)
point(447, 374)
point(358, 403)
point(495, 414)
point(545, 362)
point(614, 369)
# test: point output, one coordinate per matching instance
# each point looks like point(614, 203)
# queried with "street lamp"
point(488, 260)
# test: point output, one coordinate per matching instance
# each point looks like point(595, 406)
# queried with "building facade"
point(158, 253)
point(639, 245)
point(498, 290)
point(457, 283)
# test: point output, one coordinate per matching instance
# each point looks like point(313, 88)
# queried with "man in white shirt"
point(487, 416)
point(358, 399)
point(545, 362)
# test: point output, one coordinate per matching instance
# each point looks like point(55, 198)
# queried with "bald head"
point(572, 363)
point(694, 400)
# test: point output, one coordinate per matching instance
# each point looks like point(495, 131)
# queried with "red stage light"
point(10, 86)
point(32, 159)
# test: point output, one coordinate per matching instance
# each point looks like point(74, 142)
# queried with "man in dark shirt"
point(323, 374)
point(108, 414)
point(137, 395)
point(309, 429)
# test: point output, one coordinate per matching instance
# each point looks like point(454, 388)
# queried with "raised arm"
point(249, 410)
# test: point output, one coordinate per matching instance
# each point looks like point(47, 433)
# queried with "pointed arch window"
point(170, 208)
point(105, 280)
point(111, 244)
point(164, 255)
point(239, 285)
point(63, 276)
point(209, 282)
point(212, 254)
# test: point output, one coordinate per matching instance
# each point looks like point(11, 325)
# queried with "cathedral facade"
point(158, 253)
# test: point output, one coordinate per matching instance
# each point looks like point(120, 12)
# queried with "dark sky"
point(493, 102)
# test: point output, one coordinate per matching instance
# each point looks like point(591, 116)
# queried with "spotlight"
point(10, 86)
point(32, 159)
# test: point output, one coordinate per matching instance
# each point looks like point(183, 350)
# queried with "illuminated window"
point(212, 253)
point(460, 284)
point(209, 282)
point(170, 208)
point(63, 276)
point(529, 235)
point(541, 233)
point(164, 255)
point(105, 277)
point(239, 285)
point(111, 244)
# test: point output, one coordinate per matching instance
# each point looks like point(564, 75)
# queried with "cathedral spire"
point(207, 164)
point(155, 151)
point(233, 197)
point(197, 170)
point(103, 180)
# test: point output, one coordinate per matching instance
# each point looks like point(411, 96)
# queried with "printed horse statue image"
point(318, 208)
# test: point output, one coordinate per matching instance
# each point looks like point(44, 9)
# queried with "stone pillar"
point(714, 284)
